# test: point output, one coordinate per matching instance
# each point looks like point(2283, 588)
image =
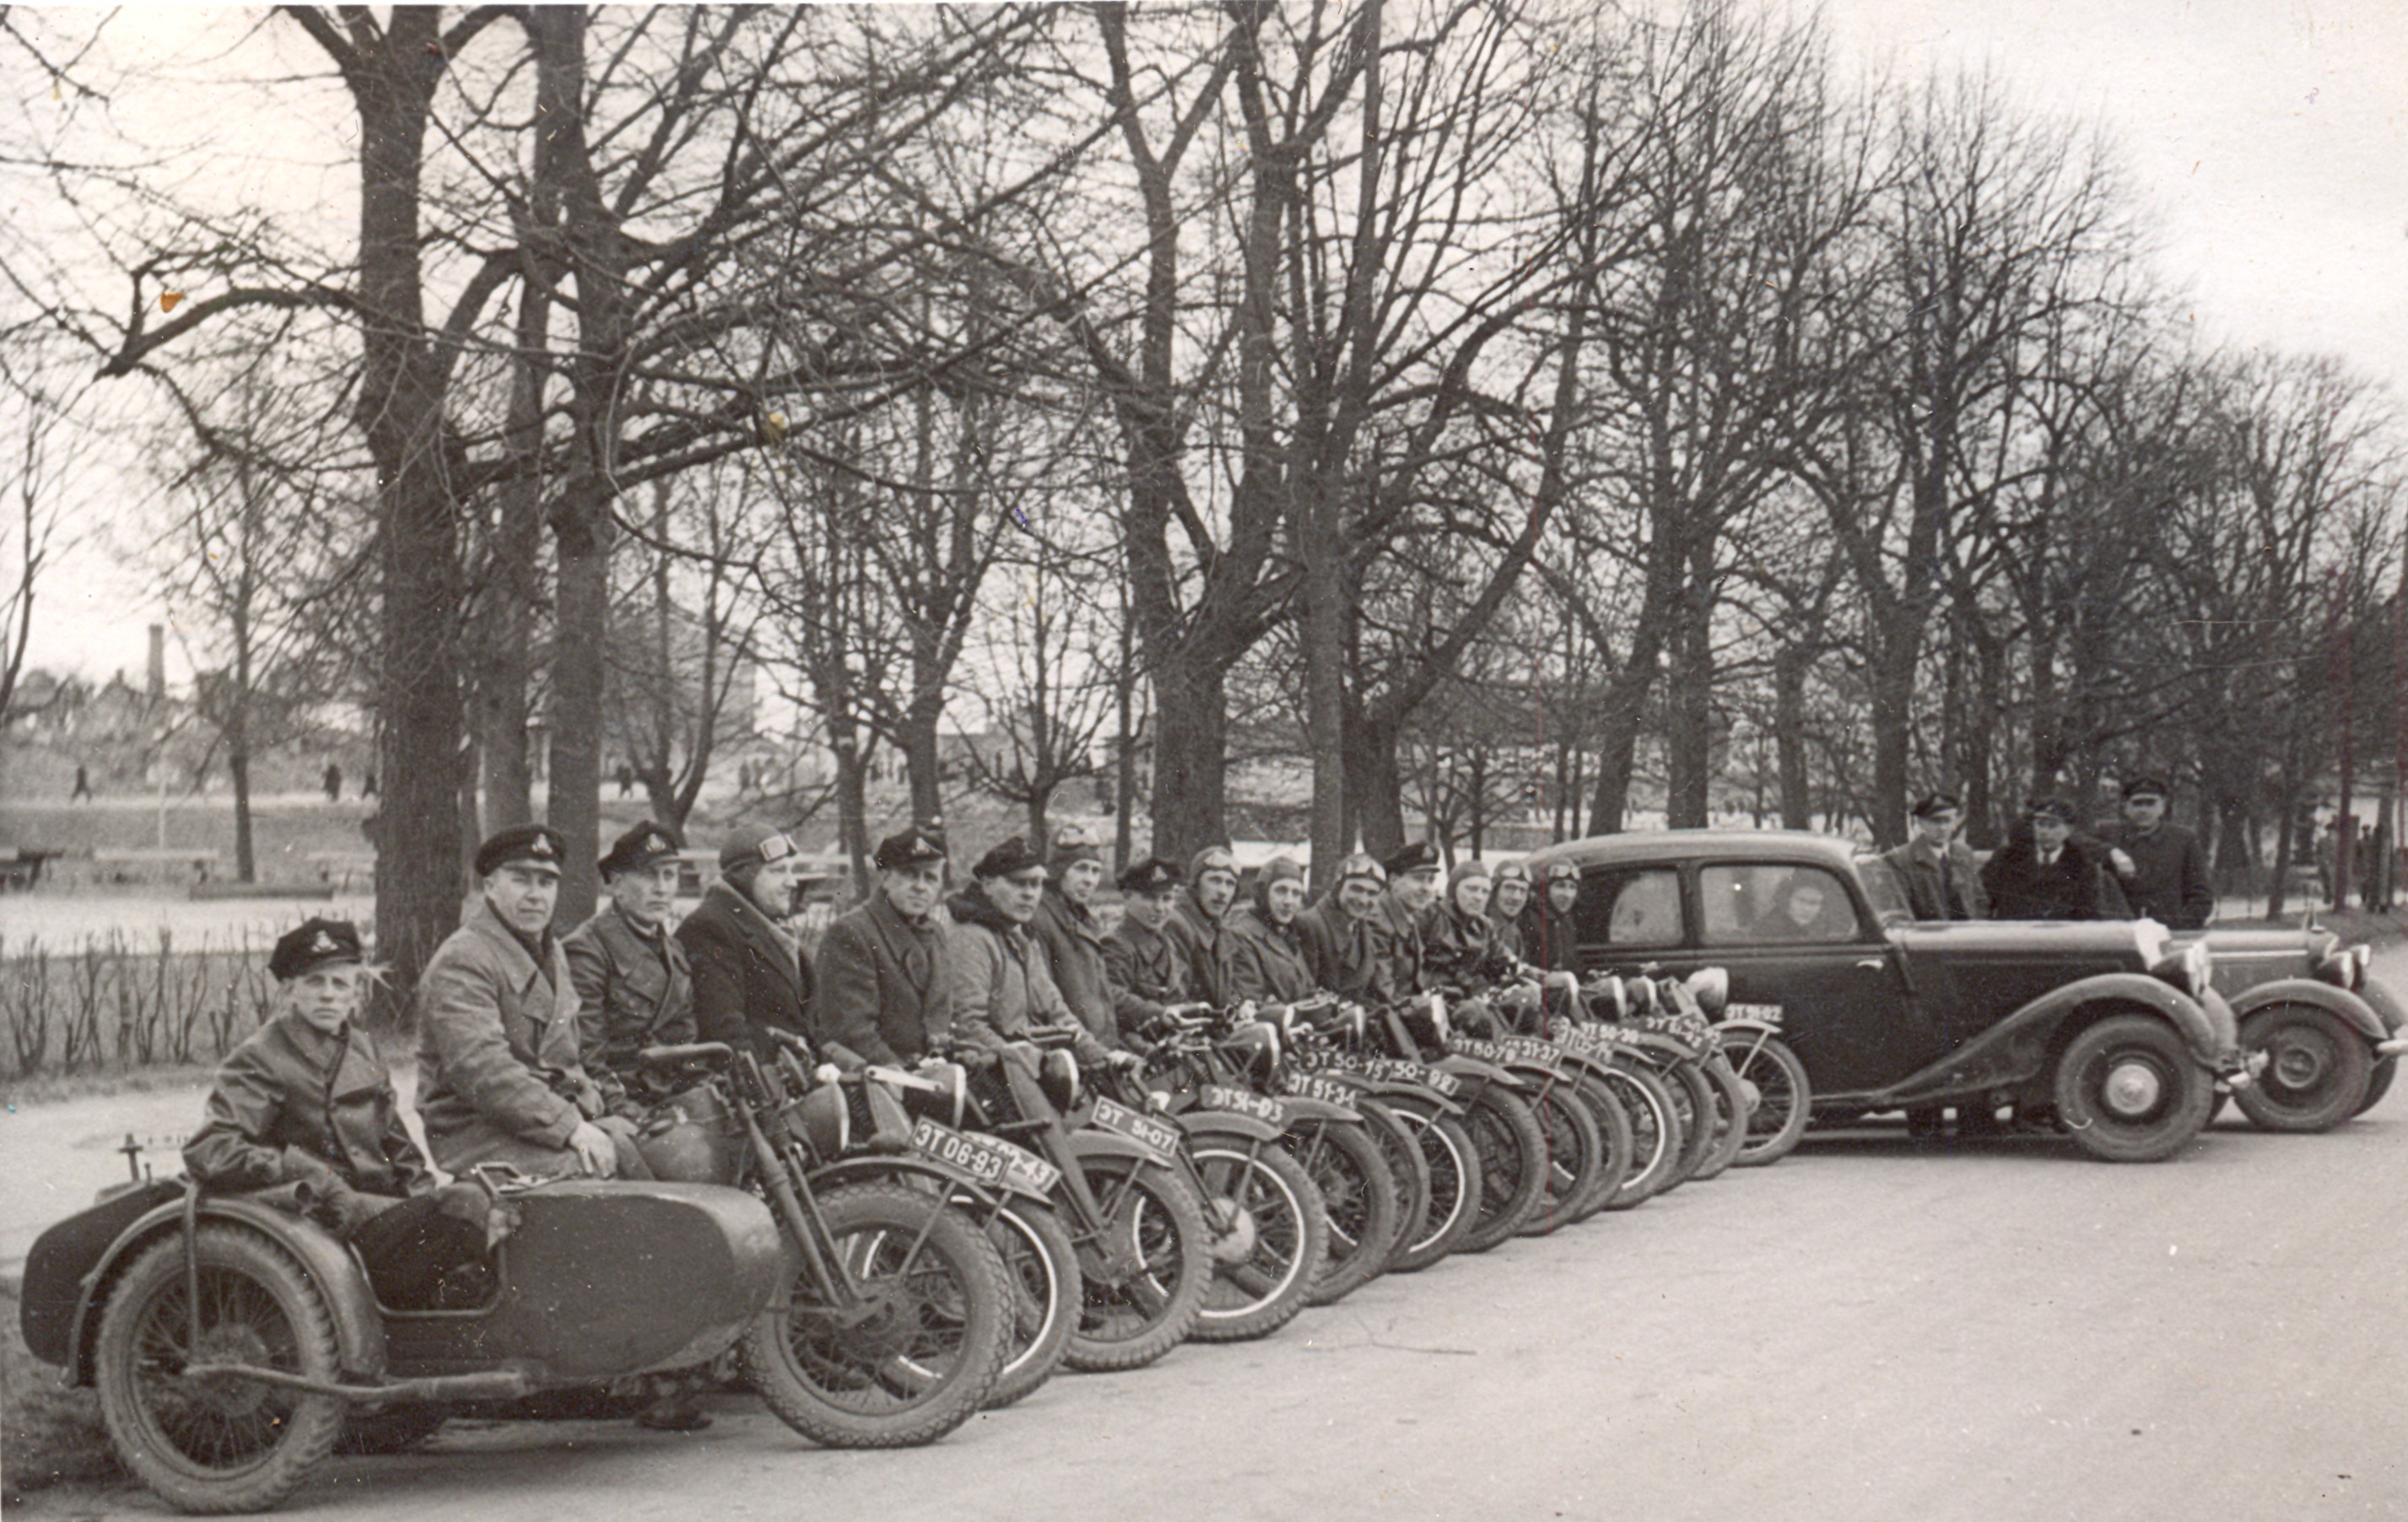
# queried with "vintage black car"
point(2110, 1029)
point(2331, 1035)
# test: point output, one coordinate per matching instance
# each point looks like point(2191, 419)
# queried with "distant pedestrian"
point(2044, 873)
point(2161, 868)
point(82, 793)
point(334, 780)
point(1936, 869)
point(627, 778)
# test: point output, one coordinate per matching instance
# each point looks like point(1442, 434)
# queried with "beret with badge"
point(643, 846)
point(913, 847)
point(315, 942)
point(1009, 859)
point(1150, 876)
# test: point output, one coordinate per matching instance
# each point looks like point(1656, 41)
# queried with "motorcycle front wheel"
point(1655, 1133)
point(1401, 1145)
point(1264, 1292)
point(916, 1354)
point(1043, 1265)
point(1454, 1189)
point(1574, 1156)
point(1780, 1099)
point(1358, 1195)
point(1145, 1265)
point(1512, 1151)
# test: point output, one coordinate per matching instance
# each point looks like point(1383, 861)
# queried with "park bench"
point(20, 865)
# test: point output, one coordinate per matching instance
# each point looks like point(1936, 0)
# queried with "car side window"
point(1637, 908)
point(1774, 903)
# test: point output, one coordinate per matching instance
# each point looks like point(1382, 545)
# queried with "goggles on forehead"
point(775, 847)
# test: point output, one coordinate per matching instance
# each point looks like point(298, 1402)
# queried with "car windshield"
point(1882, 887)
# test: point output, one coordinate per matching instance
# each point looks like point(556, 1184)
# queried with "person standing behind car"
point(1937, 869)
point(1140, 961)
point(1268, 961)
point(2161, 868)
point(750, 973)
point(500, 1077)
point(2043, 872)
point(1195, 925)
point(633, 988)
point(1340, 940)
point(884, 991)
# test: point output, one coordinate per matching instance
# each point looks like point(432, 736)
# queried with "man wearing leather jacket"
point(1196, 924)
point(1338, 936)
point(1397, 928)
point(634, 989)
point(1140, 960)
point(1268, 960)
point(1552, 940)
point(1070, 937)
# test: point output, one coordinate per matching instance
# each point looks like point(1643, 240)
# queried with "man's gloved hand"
point(1128, 1062)
point(2124, 864)
point(593, 1149)
point(333, 1204)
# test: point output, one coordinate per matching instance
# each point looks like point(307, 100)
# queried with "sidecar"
point(232, 1341)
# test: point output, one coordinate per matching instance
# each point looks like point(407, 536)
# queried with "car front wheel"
point(2317, 1072)
point(2129, 1092)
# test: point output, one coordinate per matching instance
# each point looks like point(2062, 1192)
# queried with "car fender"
point(359, 1332)
point(1225, 1123)
point(2385, 1006)
point(876, 1169)
point(2021, 1047)
point(2338, 1002)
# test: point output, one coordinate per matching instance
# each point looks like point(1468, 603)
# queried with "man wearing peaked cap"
point(1937, 872)
point(2043, 873)
point(1414, 856)
point(501, 1076)
point(1140, 961)
point(2160, 866)
point(634, 987)
point(1400, 929)
point(304, 1111)
point(885, 986)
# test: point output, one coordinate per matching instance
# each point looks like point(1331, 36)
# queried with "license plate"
point(1763, 1014)
point(1143, 1129)
point(1397, 1070)
point(956, 1149)
point(1239, 1102)
point(1315, 1087)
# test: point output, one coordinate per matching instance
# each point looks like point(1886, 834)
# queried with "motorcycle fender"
point(1753, 1028)
point(1582, 1062)
point(1659, 1046)
point(1463, 1066)
point(1399, 1095)
point(1090, 1143)
point(359, 1334)
point(1226, 1123)
point(2019, 1048)
point(1302, 1108)
point(879, 1170)
point(2339, 1002)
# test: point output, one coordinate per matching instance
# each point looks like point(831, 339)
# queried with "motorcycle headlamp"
point(1711, 987)
point(1609, 998)
point(1057, 1075)
point(822, 1120)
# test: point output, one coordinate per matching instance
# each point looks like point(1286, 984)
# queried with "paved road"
point(1869, 1330)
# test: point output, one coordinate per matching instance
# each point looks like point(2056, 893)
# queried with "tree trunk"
point(852, 799)
point(1789, 668)
point(1191, 742)
point(1324, 635)
point(573, 806)
point(923, 758)
point(1376, 783)
point(1689, 700)
point(506, 621)
point(1624, 710)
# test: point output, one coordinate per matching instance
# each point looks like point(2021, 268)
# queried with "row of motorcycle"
point(969, 1225)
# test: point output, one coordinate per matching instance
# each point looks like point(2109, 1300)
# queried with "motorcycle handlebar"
point(672, 1056)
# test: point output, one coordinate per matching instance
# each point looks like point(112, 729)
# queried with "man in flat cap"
point(1002, 991)
point(1551, 941)
point(1196, 923)
point(1068, 931)
point(1339, 942)
point(1147, 974)
point(500, 1077)
point(2161, 868)
point(2043, 872)
point(305, 1113)
point(1398, 928)
point(1936, 869)
point(886, 992)
point(633, 988)
point(750, 973)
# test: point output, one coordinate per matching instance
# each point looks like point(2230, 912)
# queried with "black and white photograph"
point(1178, 760)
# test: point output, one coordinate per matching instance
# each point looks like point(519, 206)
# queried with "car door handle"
point(1873, 963)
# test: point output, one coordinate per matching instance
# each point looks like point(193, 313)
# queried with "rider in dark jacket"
point(2043, 873)
point(1339, 937)
point(1141, 963)
point(1072, 939)
point(1550, 935)
point(884, 991)
point(1509, 898)
point(1268, 961)
point(1459, 950)
point(634, 989)
point(750, 972)
point(1195, 925)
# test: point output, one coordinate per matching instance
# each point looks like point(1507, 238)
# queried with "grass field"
point(50, 1433)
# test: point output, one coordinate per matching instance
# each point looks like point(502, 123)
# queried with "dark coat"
point(1397, 941)
point(1001, 989)
point(1267, 962)
point(1506, 936)
point(885, 990)
point(1460, 952)
point(1202, 950)
point(748, 973)
point(1146, 973)
point(633, 990)
point(498, 1070)
point(1939, 885)
point(2021, 887)
point(2169, 883)
point(1343, 954)
point(1550, 941)
point(292, 1105)
point(1073, 944)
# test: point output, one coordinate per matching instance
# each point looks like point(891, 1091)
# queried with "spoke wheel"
point(1291, 1240)
point(1401, 1145)
point(1043, 1264)
point(1453, 1191)
point(1512, 1151)
point(916, 1353)
point(1654, 1134)
point(1153, 1227)
point(1575, 1154)
point(223, 1443)
point(1358, 1198)
point(1779, 1098)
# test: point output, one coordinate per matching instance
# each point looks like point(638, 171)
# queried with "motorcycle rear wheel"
point(920, 1359)
point(1043, 1265)
point(1655, 1133)
point(1454, 1188)
point(1259, 1296)
point(1358, 1195)
point(1131, 1324)
point(1512, 1151)
point(1783, 1099)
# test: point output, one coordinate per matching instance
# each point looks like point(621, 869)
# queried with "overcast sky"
point(2266, 138)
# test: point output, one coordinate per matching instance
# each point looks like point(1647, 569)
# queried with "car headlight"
point(2361, 958)
point(2344, 966)
point(2192, 969)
